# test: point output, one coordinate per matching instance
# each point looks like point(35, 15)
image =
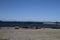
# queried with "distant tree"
point(57, 22)
point(0, 21)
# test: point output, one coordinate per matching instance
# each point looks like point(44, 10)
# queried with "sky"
point(30, 10)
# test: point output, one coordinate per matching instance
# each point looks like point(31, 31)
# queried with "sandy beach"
point(29, 34)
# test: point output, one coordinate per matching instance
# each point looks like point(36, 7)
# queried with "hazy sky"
point(30, 10)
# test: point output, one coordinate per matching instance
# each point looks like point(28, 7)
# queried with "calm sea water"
point(29, 25)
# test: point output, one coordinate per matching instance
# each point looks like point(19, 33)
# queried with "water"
point(28, 25)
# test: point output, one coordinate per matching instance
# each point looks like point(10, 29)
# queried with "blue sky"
point(30, 10)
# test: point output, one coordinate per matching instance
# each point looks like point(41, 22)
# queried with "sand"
point(29, 34)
